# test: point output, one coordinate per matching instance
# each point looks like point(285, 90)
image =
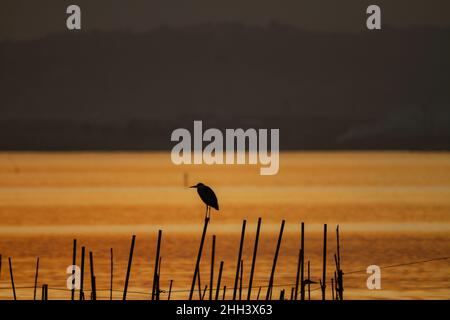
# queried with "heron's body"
point(208, 197)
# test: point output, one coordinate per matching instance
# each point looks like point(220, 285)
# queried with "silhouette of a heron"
point(208, 197)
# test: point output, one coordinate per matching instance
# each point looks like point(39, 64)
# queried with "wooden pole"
point(12, 278)
point(158, 287)
point(83, 249)
point(269, 290)
point(259, 292)
point(240, 279)
point(255, 250)
point(94, 289)
point(43, 292)
point(130, 260)
point(199, 286)
point(218, 280)
point(199, 256)
point(332, 288)
point(302, 265)
point(93, 293)
point(224, 292)
point(309, 281)
point(112, 275)
point(211, 280)
point(155, 272)
point(170, 289)
point(324, 273)
point(74, 262)
point(36, 278)
point(292, 293)
point(204, 292)
point(297, 277)
point(241, 244)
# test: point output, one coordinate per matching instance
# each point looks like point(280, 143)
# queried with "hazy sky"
point(28, 19)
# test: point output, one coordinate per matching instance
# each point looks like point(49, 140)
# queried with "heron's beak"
point(193, 187)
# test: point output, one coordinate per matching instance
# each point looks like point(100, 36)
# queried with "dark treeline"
point(120, 90)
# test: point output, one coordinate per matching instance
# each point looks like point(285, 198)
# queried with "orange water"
point(392, 208)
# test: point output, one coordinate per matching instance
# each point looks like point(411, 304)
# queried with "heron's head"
point(198, 185)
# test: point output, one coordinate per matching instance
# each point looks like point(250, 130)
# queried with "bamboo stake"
point(112, 275)
point(332, 288)
point(218, 280)
point(302, 265)
point(309, 281)
point(93, 293)
point(224, 291)
point(241, 244)
point(170, 289)
point(324, 273)
point(158, 291)
point(199, 287)
point(74, 259)
point(83, 249)
point(282, 295)
point(211, 280)
point(155, 272)
point(130, 259)
point(269, 290)
point(94, 289)
point(297, 277)
point(255, 250)
point(292, 293)
point(12, 278)
point(240, 279)
point(204, 292)
point(36, 278)
point(199, 256)
point(259, 292)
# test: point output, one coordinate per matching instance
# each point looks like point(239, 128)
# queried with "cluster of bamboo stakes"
point(302, 284)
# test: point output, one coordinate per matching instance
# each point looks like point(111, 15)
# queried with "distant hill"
point(127, 91)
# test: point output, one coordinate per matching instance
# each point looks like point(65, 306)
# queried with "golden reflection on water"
point(391, 207)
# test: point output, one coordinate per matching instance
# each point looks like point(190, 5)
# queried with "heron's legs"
point(206, 213)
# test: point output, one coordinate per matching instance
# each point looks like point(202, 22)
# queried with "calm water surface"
point(392, 208)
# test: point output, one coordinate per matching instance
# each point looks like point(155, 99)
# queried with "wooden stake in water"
point(83, 249)
point(199, 256)
point(218, 280)
point(211, 280)
point(302, 265)
point(199, 286)
point(332, 288)
point(309, 281)
point(130, 260)
point(170, 289)
point(259, 292)
point(204, 292)
point(282, 295)
point(272, 274)
point(255, 250)
point(224, 291)
point(12, 278)
point(74, 262)
point(155, 272)
point(93, 293)
point(324, 273)
point(240, 279)
point(241, 244)
point(158, 288)
point(297, 277)
point(36, 278)
point(112, 275)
